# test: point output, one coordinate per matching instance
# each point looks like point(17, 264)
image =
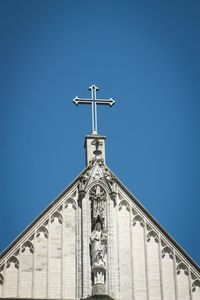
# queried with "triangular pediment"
point(51, 258)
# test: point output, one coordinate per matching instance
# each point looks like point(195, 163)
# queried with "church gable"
point(94, 238)
point(97, 241)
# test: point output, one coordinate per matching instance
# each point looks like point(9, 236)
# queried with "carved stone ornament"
point(98, 246)
point(169, 251)
point(138, 219)
point(98, 204)
point(183, 267)
point(1, 279)
point(152, 235)
point(108, 175)
point(42, 231)
point(98, 238)
point(98, 242)
point(83, 181)
point(97, 143)
point(101, 161)
point(13, 260)
point(27, 245)
point(58, 216)
point(195, 284)
point(81, 187)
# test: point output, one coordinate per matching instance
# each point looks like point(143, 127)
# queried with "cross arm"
point(77, 100)
point(109, 101)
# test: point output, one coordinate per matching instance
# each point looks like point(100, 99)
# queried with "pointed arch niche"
point(55, 254)
point(153, 265)
point(26, 270)
point(40, 264)
point(112, 252)
point(98, 205)
point(139, 259)
point(168, 280)
point(183, 282)
point(99, 215)
point(125, 261)
point(11, 277)
point(69, 246)
point(196, 290)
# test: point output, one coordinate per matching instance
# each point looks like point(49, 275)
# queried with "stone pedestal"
point(99, 274)
point(99, 297)
point(98, 289)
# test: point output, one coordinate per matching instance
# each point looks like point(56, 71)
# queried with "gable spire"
point(94, 143)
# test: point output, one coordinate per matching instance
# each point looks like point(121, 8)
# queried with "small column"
point(94, 147)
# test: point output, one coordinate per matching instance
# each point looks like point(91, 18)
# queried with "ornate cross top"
point(94, 101)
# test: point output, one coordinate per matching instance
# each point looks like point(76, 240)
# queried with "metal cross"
point(94, 101)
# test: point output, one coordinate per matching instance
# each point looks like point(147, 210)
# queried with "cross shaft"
point(94, 102)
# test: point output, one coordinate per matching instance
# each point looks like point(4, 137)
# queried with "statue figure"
point(98, 198)
point(98, 241)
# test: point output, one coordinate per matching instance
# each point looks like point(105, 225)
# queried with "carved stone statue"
point(98, 198)
point(98, 241)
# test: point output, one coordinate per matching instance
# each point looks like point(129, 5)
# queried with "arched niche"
point(139, 257)
point(152, 235)
point(183, 282)
point(125, 204)
point(42, 231)
point(125, 249)
point(138, 220)
point(12, 260)
point(182, 266)
point(167, 250)
point(58, 216)
point(98, 207)
point(26, 270)
point(27, 246)
point(40, 262)
point(153, 265)
point(11, 278)
point(195, 284)
point(70, 202)
point(168, 276)
point(69, 249)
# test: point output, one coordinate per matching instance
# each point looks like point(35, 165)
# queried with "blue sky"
point(145, 55)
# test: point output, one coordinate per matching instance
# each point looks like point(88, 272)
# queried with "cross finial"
point(94, 101)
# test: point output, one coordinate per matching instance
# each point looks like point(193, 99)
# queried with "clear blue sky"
point(144, 54)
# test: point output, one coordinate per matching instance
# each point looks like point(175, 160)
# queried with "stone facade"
point(64, 254)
